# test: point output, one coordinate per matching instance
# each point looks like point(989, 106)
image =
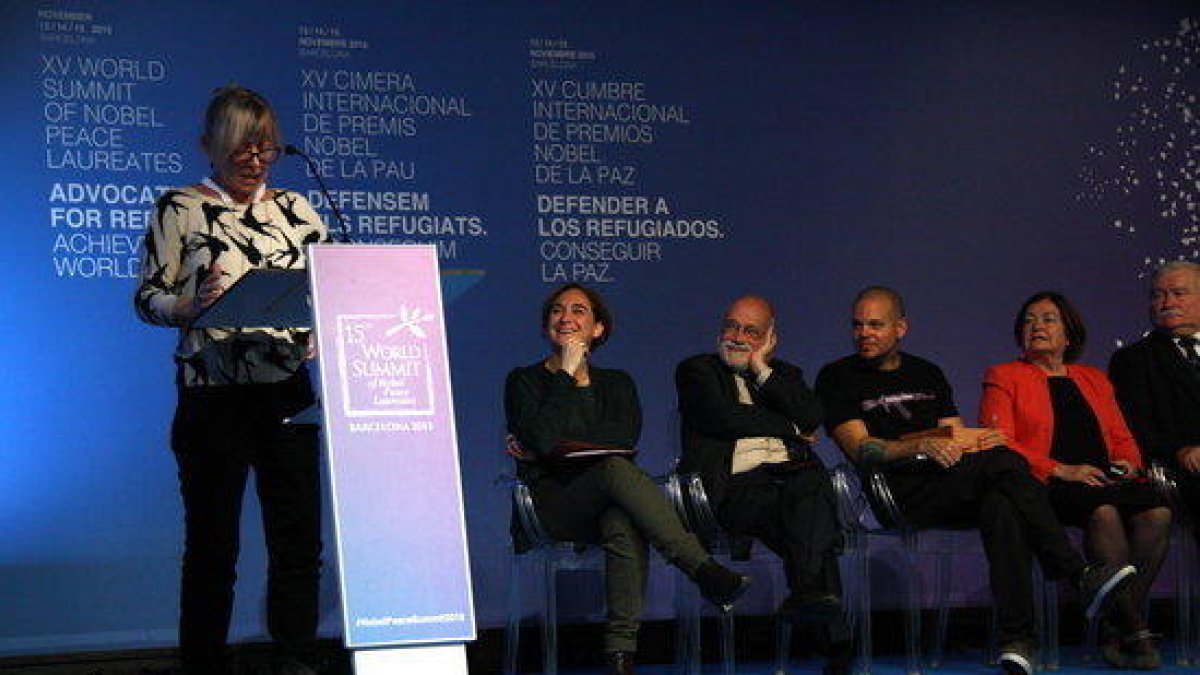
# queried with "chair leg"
point(550, 617)
point(728, 658)
point(863, 602)
point(992, 656)
point(1185, 560)
point(912, 605)
point(1047, 625)
point(783, 644)
point(682, 631)
point(512, 628)
point(1091, 637)
point(942, 597)
point(783, 623)
point(688, 657)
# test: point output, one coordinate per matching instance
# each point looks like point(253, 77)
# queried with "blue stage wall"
point(966, 153)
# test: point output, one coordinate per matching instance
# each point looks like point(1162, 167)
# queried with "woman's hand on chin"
point(573, 356)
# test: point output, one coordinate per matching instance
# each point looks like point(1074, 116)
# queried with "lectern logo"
point(384, 361)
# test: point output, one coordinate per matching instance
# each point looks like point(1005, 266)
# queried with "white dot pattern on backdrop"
point(1145, 178)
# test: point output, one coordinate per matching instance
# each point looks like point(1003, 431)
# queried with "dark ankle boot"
point(1142, 651)
point(619, 663)
point(720, 585)
point(811, 607)
point(840, 660)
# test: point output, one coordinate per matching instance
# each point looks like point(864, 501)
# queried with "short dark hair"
point(1072, 323)
point(885, 292)
point(600, 310)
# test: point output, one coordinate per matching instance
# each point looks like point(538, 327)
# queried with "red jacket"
point(1016, 400)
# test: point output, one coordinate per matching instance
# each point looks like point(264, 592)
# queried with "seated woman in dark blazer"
point(577, 425)
point(1064, 418)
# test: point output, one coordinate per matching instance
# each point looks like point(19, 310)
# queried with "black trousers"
point(994, 492)
point(793, 513)
point(218, 434)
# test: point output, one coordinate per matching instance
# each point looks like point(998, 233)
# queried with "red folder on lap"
point(580, 449)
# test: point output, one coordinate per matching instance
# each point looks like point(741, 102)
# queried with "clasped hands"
point(951, 443)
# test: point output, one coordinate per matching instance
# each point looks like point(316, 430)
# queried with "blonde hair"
point(237, 116)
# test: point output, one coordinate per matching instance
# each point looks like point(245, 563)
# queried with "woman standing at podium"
point(236, 386)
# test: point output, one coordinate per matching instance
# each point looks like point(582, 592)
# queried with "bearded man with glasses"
point(748, 423)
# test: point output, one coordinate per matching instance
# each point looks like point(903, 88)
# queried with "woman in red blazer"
point(1063, 417)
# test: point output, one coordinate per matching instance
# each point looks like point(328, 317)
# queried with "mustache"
point(730, 345)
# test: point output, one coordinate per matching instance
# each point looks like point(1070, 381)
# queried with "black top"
point(1077, 436)
point(890, 403)
point(544, 409)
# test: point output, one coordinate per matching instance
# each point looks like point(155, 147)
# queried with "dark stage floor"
point(1074, 661)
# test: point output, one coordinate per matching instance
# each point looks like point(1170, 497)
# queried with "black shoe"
point(720, 585)
point(619, 663)
point(811, 607)
point(1111, 649)
point(839, 658)
point(1016, 657)
point(205, 669)
point(1142, 650)
point(288, 665)
point(218, 666)
point(1098, 584)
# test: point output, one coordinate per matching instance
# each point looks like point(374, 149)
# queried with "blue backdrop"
point(966, 153)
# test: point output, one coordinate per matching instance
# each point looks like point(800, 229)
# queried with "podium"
point(388, 426)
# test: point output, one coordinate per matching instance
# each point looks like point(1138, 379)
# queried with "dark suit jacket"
point(1159, 394)
point(712, 419)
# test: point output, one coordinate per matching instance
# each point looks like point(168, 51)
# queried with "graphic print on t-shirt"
point(894, 403)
